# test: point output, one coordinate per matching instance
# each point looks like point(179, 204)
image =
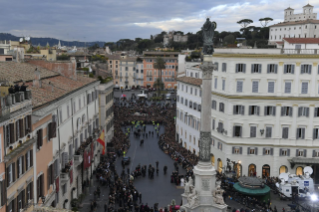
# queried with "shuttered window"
point(214, 104)
point(223, 84)
point(304, 87)
point(268, 132)
point(271, 87)
point(221, 107)
point(303, 111)
point(240, 68)
point(237, 131)
point(255, 86)
point(305, 69)
point(286, 111)
point(255, 68)
point(285, 131)
point(239, 87)
point(253, 110)
point(287, 87)
point(300, 134)
point(215, 83)
point(253, 130)
point(224, 67)
point(289, 69)
point(239, 110)
point(270, 110)
point(39, 138)
point(272, 68)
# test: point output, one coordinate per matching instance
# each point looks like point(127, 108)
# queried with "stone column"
point(200, 198)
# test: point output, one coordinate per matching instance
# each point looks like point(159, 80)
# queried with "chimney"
point(37, 79)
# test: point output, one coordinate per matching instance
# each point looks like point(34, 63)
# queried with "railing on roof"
point(299, 51)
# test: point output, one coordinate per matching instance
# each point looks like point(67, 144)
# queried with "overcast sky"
point(111, 20)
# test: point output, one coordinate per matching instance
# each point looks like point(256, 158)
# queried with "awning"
point(252, 192)
point(300, 160)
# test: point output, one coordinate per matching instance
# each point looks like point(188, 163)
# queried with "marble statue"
point(188, 186)
point(182, 182)
point(218, 196)
point(192, 198)
point(208, 35)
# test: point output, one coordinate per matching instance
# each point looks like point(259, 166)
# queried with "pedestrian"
point(165, 169)
point(105, 207)
point(92, 206)
point(140, 197)
point(156, 164)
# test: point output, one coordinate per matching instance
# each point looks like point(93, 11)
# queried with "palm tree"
point(159, 65)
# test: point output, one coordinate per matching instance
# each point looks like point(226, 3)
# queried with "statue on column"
point(208, 35)
point(218, 196)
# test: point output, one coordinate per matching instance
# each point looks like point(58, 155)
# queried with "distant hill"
point(51, 41)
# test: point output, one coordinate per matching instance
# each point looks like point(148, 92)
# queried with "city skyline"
point(114, 20)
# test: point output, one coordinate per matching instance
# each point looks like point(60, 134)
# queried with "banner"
point(102, 142)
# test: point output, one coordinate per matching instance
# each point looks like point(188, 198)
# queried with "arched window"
point(283, 169)
point(299, 170)
point(220, 165)
point(252, 170)
point(212, 159)
point(238, 169)
point(265, 171)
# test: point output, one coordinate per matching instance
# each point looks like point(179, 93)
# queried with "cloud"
point(111, 20)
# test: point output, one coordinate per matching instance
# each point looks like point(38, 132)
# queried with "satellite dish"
point(277, 185)
point(21, 40)
point(27, 38)
point(284, 176)
point(308, 170)
point(292, 175)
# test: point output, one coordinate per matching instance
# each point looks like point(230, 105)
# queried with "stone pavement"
point(156, 190)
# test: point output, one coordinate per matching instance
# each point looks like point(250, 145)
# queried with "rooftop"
point(308, 5)
point(190, 80)
point(55, 87)
point(309, 21)
point(16, 72)
point(302, 40)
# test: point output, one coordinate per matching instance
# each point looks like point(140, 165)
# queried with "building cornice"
point(294, 98)
point(272, 56)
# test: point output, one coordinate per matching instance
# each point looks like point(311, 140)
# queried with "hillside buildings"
point(176, 37)
point(168, 75)
point(303, 25)
point(264, 111)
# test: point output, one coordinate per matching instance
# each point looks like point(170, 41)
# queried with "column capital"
point(207, 68)
point(315, 64)
point(281, 63)
point(298, 64)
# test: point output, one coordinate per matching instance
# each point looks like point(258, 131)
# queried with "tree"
point(244, 22)
point(95, 46)
point(229, 39)
point(159, 65)
point(265, 21)
point(251, 28)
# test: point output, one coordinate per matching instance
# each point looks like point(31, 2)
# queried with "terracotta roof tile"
point(190, 80)
point(303, 40)
point(14, 72)
point(55, 87)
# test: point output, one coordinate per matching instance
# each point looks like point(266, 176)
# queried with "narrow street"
point(156, 190)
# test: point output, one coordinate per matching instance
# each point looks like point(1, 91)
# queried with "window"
point(195, 91)
point(237, 131)
point(255, 87)
point(305, 69)
point(315, 133)
point(10, 174)
point(191, 90)
point(285, 131)
point(284, 152)
point(239, 87)
point(300, 133)
point(303, 111)
point(221, 107)
point(304, 87)
point(267, 151)
point(238, 109)
point(190, 104)
point(20, 166)
point(224, 66)
point(63, 189)
point(301, 153)
point(287, 87)
point(223, 84)
point(39, 138)
point(240, 68)
point(215, 84)
point(253, 130)
point(255, 68)
point(271, 87)
point(182, 100)
point(286, 111)
point(268, 132)
point(199, 107)
point(270, 111)
point(186, 88)
point(195, 105)
point(40, 186)
point(253, 110)
point(251, 151)
point(214, 104)
point(29, 192)
point(316, 112)
point(220, 127)
point(289, 69)
point(213, 124)
point(186, 102)
point(237, 150)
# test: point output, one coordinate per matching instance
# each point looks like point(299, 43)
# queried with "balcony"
point(78, 159)
point(4, 113)
point(19, 100)
point(126, 81)
point(64, 178)
point(17, 151)
point(299, 51)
